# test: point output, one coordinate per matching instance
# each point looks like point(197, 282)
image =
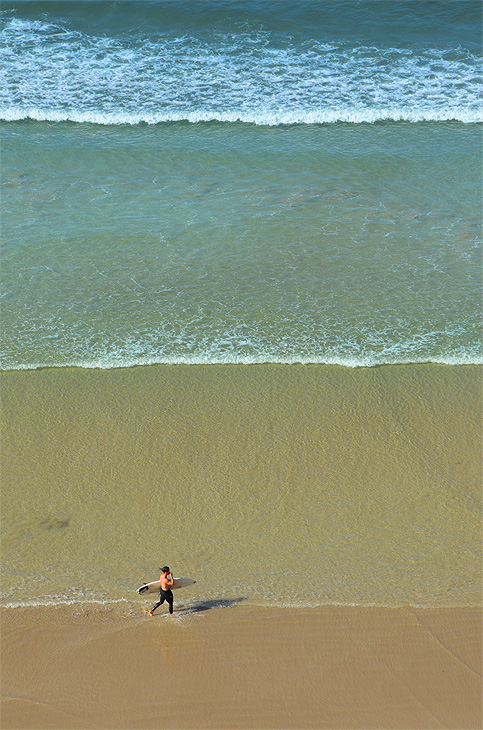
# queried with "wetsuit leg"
point(165, 596)
point(160, 602)
point(169, 599)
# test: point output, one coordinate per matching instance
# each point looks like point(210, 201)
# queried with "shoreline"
point(243, 667)
point(97, 366)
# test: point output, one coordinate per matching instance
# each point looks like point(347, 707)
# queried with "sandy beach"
point(242, 667)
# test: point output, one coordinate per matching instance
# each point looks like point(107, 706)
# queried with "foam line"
point(269, 119)
point(368, 362)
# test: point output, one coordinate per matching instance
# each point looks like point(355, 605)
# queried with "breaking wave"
point(54, 73)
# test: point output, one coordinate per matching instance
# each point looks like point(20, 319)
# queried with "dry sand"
point(242, 667)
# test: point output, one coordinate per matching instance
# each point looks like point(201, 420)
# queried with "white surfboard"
point(156, 585)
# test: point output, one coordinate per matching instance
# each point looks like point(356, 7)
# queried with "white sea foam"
point(51, 73)
point(57, 601)
point(261, 118)
point(186, 610)
point(348, 362)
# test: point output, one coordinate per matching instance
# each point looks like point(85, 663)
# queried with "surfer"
point(165, 593)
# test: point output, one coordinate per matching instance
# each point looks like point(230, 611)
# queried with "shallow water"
point(281, 485)
point(197, 244)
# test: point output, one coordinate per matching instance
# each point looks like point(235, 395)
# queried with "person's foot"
point(151, 612)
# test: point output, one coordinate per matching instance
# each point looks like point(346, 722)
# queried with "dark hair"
point(165, 569)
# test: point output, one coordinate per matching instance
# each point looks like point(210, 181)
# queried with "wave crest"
point(261, 118)
point(52, 73)
point(348, 362)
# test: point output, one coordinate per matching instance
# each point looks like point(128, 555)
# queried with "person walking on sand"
point(165, 593)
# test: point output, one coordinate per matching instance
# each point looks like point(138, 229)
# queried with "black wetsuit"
point(165, 596)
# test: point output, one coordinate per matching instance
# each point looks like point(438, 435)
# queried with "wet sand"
point(242, 667)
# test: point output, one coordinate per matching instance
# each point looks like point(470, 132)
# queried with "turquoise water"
point(241, 182)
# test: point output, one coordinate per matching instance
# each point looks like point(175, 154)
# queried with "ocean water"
point(241, 182)
point(224, 183)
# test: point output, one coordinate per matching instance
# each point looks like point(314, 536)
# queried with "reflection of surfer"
point(165, 593)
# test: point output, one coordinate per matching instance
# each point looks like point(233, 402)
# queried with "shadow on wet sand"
point(202, 606)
